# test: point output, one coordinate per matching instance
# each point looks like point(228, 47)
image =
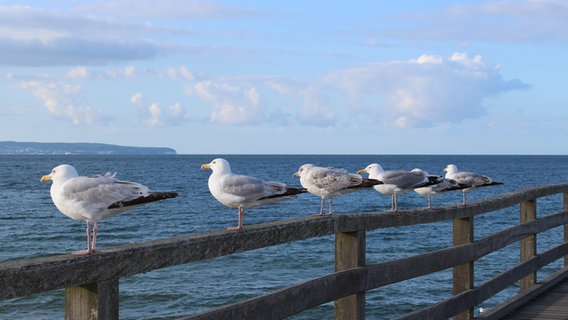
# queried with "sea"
point(31, 227)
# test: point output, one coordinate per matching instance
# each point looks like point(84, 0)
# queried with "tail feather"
point(465, 186)
point(154, 196)
point(366, 183)
point(290, 192)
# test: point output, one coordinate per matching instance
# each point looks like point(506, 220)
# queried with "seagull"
point(94, 198)
point(468, 180)
point(330, 182)
point(243, 192)
point(395, 182)
point(438, 185)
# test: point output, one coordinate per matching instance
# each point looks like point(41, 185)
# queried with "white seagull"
point(330, 182)
point(438, 185)
point(468, 180)
point(94, 198)
point(243, 192)
point(395, 182)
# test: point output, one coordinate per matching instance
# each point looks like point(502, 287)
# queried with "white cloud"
point(179, 73)
point(78, 73)
point(186, 73)
point(61, 100)
point(41, 37)
point(156, 116)
point(232, 104)
point(171, 73)
point(422, 92)
point(136, 99)
point(316, 109)
point(129, 72)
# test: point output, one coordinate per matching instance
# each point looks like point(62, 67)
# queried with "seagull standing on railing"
point(468, 180)
point(438, 185)
point(94, 198)
point(330, 182)
point(395, 182)
point(243, 192)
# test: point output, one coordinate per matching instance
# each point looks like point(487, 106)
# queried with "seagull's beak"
point(206, 166)
point(446, 169)
point(45, 178)
point(296, 174)
point(361, 171)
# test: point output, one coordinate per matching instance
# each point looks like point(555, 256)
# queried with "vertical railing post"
point(350, 253)
point(92, 301)
point(463, 274)
point(565, 226)
point(528, 244)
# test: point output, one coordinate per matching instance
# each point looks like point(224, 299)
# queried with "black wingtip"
point(366, 183)
point(289, 192)
point(152, 197)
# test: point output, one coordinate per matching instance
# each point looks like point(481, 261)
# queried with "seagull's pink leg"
point(393, 202)
point(94, 241)
point(241, 217)
point(88, 250)
point(321, 206)
point(330, 206)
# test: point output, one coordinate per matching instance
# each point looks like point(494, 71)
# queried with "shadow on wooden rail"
point(91, 282)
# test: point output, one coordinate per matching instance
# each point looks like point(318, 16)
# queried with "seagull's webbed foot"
point(83, 252)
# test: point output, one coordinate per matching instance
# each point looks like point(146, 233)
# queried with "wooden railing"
point(91, 282)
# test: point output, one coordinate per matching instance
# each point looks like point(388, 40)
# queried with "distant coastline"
point(13, 147)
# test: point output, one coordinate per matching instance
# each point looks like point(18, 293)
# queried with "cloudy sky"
point(293, 77)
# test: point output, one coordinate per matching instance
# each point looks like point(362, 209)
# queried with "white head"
point(303, 169)
point(219, 166)
point(451, 168)
point(374, 170)
point(60, 173)
point(418, 170)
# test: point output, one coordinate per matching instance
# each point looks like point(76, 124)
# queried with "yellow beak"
point(46, 178)
point(205, 166)
point(361, 171)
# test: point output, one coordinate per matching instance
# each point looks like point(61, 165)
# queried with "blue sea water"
point(31, 227)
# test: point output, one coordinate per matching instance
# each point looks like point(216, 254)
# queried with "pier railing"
point(92, 282)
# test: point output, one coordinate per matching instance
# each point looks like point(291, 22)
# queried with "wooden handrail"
point(98, 274)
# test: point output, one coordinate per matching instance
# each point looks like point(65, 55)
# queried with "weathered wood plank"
point(350, 253)
point(312, 293)
point(92, 301)
point(376, 220)
point(290, 300)
point(377, 275)
point(528, 245)
point(81, 302)
point(565, 198)
point(463, 274)
point(473, 297)
point(44, 274)
point(509, 306)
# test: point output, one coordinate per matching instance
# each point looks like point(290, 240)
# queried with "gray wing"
point(471, 179)
point(333, 179)
point(404, 179)
point(102, 191)
point(250, 187)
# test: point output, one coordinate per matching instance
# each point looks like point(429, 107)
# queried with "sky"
point(288, 77)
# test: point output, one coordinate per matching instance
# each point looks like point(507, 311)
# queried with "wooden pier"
point(92, 282)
